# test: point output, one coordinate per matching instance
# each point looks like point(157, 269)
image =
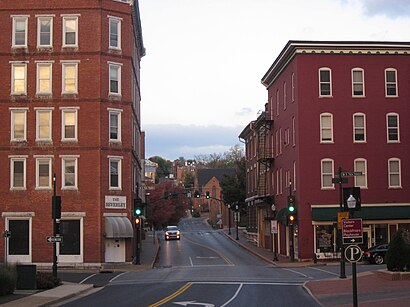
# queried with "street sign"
point(353, 253)
point(352, 231)
point(274, 226)
point(340, 180)
point(54, 239)
point(348, 174)
point(341, 216)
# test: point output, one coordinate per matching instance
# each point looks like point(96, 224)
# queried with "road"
point(205, 268)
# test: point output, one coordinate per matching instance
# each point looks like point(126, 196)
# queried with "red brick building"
point(70, 106)
point(331, 106)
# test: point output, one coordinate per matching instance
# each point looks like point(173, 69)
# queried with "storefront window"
point(405, 231)
point(324, 238)
point(380, 234)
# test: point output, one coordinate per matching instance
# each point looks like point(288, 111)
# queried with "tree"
point(164, 167)
point(396, 254)
point(228, 159)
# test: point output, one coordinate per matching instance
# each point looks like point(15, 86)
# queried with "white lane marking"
point(200, 257)
point(323, 271)
point(87, 278)
point(296, 272)
point(190, 260)
point(234, 296)
point(114, 278)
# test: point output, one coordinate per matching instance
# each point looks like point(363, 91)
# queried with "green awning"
point(366, 213)
point(281, 215)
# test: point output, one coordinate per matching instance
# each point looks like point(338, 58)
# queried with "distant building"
point(150, 171)
point(71, 107)
point(331, 106)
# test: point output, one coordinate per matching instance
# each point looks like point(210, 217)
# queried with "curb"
point(311, 294)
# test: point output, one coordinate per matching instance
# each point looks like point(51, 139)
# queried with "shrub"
point(408, 257)
point(46, 280)
point(396, 254)
point(8, 279)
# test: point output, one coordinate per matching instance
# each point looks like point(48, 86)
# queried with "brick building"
point(70, 105)
point(331, 106)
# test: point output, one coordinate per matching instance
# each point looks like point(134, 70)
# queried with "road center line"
point(172, 296)
point(234, 296)
point(323, 271)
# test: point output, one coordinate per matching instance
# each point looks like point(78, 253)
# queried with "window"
point(325, 238)
point(284, 95)
point(115, 173)
point(391, 82)
point(71, 231)
point(277, 102)
point(357, 82)
point(43, 173)
point(360, 165)
point(44, 73)
point(115, 33)
point(280, 141)
point(325, 82)
point(20, 30)
point(293, 132)
point(19, 79)
point(115, 125)
point(294, 175)
point(392, 122)
point(18, 172)
point(394, 173)
point(70, 83)
point(70, 171)
point(43, 124)
point(19, 242)
point(18, 124)
point(115, 79)
point(327, 173)
point(359, 128)
point(293, 87)
point(70, 31)
point(69, 124)
point(326, 128)
point(44, 32)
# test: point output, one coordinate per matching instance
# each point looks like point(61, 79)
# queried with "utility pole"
point(55, 230)
point(291, 241)
point(342, 248)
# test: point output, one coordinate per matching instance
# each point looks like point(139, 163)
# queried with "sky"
point(201, 75)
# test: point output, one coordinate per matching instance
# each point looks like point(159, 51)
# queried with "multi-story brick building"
point(331, 106)
point(70, 108)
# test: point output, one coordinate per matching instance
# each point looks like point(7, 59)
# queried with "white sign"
point(115, 202)
point(274, 226)
point(353, 253)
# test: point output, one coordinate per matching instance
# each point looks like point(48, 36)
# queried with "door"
point(367, 238)
point(114, 250)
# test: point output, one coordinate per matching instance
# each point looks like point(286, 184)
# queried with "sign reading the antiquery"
point(115, 202)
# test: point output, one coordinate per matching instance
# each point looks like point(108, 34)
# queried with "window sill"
point(43, 188)
point(69, 188)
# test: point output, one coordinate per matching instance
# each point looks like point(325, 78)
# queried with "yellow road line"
point(173, 295)
point(214, 250)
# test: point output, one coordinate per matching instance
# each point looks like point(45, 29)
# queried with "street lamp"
point(229, 219)
point(351, 204)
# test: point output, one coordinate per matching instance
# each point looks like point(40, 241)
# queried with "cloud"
point(244, 111)
point(389, 8)
point(174, 141)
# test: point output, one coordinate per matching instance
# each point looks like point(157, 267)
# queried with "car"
point(172, 232)
point(376, 254)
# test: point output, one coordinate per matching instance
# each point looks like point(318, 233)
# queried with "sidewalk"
point(30, 298)
point(373, 290)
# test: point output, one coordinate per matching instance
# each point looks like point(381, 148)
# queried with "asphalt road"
point(205, 268)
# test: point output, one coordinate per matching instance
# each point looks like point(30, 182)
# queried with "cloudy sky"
point(201, 76)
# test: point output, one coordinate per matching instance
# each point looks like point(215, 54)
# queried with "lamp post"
point(229, 219)
point(351, 204)
point(237, 220)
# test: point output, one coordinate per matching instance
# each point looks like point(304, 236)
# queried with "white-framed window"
point(360, 165)
point(393, 131)
point(20, 31)
point(284, 95)
point(70, 31)
point(358, 82)
point(44, 31)
point(325, 82)
point(280, 181)
point(70, 77)
point(293, 131)
point(115, 32)
point(18, 172)
point(293, 87)
point(326, 128)
point(277, 102)
point(280, 141)
point(277, 142)
point(327, 173)
point(394, 169)
point(44, 78)
point(44, 124)
point(114, 125)
point(277, 182)
point(18, 78)
point(391, 89)
point(114, 78)
point(115, 172)
point(69, 172)
point(359, 128)
point(294, 176)
point(69, 122)
point(18, 124)
point(43, 172)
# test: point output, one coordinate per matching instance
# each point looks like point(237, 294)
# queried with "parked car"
point(376, 254)
point(172, 232)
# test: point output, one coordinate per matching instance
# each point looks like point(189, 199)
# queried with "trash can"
point(26, 276)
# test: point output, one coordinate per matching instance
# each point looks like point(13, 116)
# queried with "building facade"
point(70, 106)
point(332, 107)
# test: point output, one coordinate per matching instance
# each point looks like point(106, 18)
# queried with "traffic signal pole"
point(342, 248)
point(53, 210)
point(291, 239)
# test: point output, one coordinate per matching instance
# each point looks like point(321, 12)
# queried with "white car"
point(172, 232)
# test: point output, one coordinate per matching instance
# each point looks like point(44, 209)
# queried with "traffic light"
point(291, 203)
point(196, 194)
point(137, 221)
point(56, 207)
point(137, 211)
point(291, 219)
point(207, 195)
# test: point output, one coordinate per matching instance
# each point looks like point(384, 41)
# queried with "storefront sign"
point(341, 216)
point(352, 231)
point(115, 202)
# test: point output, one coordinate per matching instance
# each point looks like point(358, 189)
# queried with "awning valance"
point(118, 227)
